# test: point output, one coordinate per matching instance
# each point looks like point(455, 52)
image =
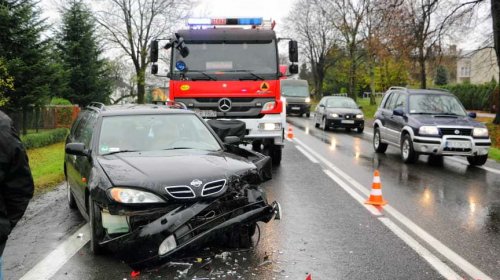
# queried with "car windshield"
point(436, 104)
point(295, 91)
point(233, 60)
point(341, 102)
point(155, 132)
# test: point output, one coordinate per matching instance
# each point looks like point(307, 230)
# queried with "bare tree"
point(347, 17)
point(430, 21)
point(495, 15)
point(132, 24)
point(311, 27)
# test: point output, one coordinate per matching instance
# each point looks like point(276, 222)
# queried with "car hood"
point(155, 170)
point(439, 120)
point(344, 111)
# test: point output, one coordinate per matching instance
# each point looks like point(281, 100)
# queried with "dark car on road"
point(298, 99)
point(339, 112)
point(154, 181)
point(432, 122)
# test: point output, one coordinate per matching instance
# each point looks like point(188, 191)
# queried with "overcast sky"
point(277, 10)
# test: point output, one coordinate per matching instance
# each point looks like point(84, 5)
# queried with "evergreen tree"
point(441, 76)
point(25, 53)
point(87, 73)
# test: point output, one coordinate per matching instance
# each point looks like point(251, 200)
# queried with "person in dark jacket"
point(16, 183)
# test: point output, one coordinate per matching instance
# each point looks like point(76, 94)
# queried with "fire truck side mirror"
point(293, 51)
point(293, 69)
point(154, 69)
point(154, 51)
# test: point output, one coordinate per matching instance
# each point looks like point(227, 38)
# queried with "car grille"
point(347, 116)
point(181, 192)
point(213, 187)
point(451, 131)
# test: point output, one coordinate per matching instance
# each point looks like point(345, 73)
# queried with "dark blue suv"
point(429, 121)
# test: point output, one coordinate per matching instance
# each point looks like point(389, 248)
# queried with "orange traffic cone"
point(290, 133)
point(376, 193)
point(309, 277)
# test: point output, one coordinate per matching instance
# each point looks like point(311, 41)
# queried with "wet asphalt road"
point(324, 231)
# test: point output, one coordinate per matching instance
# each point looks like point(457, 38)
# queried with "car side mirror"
point(77, 149)
point(293, 69)
point(229, 140)
point(398, 112)
point(322, 105)
point(293, 52)
point(360, 107)
point(472, 115)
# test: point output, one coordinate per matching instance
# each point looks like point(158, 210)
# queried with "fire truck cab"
point(223, 72)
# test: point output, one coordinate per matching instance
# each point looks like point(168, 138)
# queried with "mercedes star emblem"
point(224, 104)
point(196, 183)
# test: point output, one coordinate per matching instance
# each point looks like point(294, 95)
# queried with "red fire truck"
point(223, 70)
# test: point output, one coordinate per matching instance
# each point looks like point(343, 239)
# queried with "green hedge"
point(474, 97)
point(45, 138)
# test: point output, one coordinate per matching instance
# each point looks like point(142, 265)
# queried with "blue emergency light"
point(225, 21)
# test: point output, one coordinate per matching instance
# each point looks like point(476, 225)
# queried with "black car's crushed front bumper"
point(140, 248)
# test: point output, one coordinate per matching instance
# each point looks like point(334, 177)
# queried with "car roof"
point(422, 91)
point(337, 97)
point(138, 109)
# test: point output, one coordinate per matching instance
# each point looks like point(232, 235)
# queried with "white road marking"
point(434, 261)
point(455, 258)
point(440, 266)
point(353, 193)
point(49, 266)
point(306, 154)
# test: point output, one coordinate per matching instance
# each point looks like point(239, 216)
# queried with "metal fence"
point(44, 117)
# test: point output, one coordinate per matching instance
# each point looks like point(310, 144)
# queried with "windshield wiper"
point(121, 151)
point(256, 77)
point(178, 148)
point(211, 78)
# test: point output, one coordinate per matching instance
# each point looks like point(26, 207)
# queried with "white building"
point(478, 67)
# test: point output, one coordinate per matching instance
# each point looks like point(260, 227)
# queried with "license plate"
point(295, 108)
point(347, 121)
point(459, 144)
point(206, 113)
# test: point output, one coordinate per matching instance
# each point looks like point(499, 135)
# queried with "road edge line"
point(56, 259)
point(306, 154)
point(446, 252)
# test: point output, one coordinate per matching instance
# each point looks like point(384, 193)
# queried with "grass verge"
point(47, 166)
point(369, 110)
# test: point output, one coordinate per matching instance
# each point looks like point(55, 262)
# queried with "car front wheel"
point(323, 124)
point(96, 229)
point(408, 154)
point(477, 160)
point(71, 198)
point(377, 142)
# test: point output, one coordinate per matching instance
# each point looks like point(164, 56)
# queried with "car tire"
point(241, 236)
point(315, 123)
point(477, 160)
point(276, 154)
point(256, 145)
point(377, 142)
point(360, 129)
point(96, 229)
point(71, 198)
point(308, 115)
point(323, 124)
point(348, 129)
point(408, 154)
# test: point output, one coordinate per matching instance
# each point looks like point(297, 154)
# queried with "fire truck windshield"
point(227, 61)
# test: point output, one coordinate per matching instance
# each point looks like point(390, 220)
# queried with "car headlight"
point(359, 116)
point(428, 130)
point(124, 195)
point(270, 126)
point(480, 132)
point(334, 115)
point(268, 106)
point(308, 100)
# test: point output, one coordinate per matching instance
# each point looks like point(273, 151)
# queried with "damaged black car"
point(157, 181)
